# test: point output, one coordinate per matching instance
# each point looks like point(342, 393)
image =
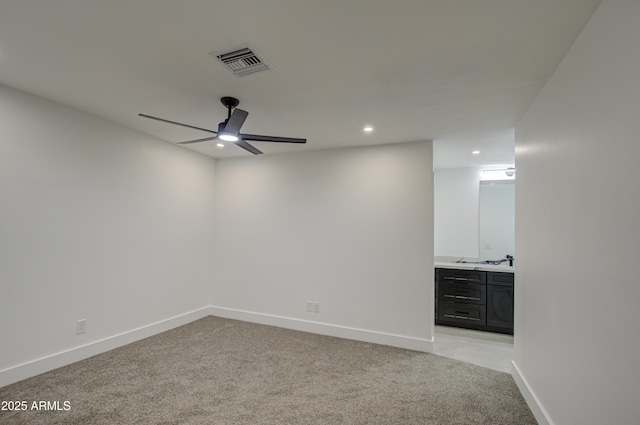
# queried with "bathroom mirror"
point(497, 218)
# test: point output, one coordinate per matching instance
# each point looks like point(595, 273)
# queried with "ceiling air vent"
point(242, 61)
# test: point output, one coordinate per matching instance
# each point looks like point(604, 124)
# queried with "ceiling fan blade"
point(235, 121)
point(276, 139)
point(246, 146)
point(177, 123)
point(206, 139)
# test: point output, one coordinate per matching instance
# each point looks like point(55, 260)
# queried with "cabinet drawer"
point(462, 313)
point(460, 292)
point(461, 276)
point(500, 278)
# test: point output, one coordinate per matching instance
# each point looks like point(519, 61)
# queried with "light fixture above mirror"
point(509, 172)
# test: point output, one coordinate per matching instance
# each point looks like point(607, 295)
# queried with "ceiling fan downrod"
point(229, 103)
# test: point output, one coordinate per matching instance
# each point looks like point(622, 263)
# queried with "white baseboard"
point(45, 364)
point(63, 358)
point(374, 337)
point(529, 396)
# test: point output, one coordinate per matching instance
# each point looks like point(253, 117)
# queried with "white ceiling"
point(460, 72)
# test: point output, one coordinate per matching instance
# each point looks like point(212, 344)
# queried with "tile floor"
point(486, 349)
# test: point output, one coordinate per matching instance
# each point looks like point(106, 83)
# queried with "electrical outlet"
point(81, 326)
point(313, 307)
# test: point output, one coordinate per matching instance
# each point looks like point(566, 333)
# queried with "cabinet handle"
point(456, 296)
point(462, 297)
point(462, 279)
point(460, 317)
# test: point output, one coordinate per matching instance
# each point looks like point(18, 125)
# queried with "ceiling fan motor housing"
point(230, 102)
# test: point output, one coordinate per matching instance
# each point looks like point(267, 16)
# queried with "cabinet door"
point(500, 306)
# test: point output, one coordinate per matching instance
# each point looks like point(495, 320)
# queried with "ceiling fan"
point(229, 129)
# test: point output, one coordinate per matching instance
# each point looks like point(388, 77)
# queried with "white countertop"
point(472, 266)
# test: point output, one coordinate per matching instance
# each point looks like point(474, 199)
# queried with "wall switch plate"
point(316, 307)
point(81, 326)
point(310, 306)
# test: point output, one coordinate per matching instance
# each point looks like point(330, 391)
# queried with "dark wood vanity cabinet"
point(475, 299)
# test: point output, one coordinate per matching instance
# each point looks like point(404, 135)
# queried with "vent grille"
point(242, 61)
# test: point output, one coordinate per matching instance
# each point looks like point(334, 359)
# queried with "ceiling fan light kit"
point(228, 137)
point(229, 129)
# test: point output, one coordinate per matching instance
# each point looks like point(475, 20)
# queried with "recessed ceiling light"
point(476, 152)
point(367, 129)
point(220, 145)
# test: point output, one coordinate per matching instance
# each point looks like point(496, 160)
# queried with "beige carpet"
point(220, 371)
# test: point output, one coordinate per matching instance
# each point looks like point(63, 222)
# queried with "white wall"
point(351, 229)
point(577, 230)
point(97, 222)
